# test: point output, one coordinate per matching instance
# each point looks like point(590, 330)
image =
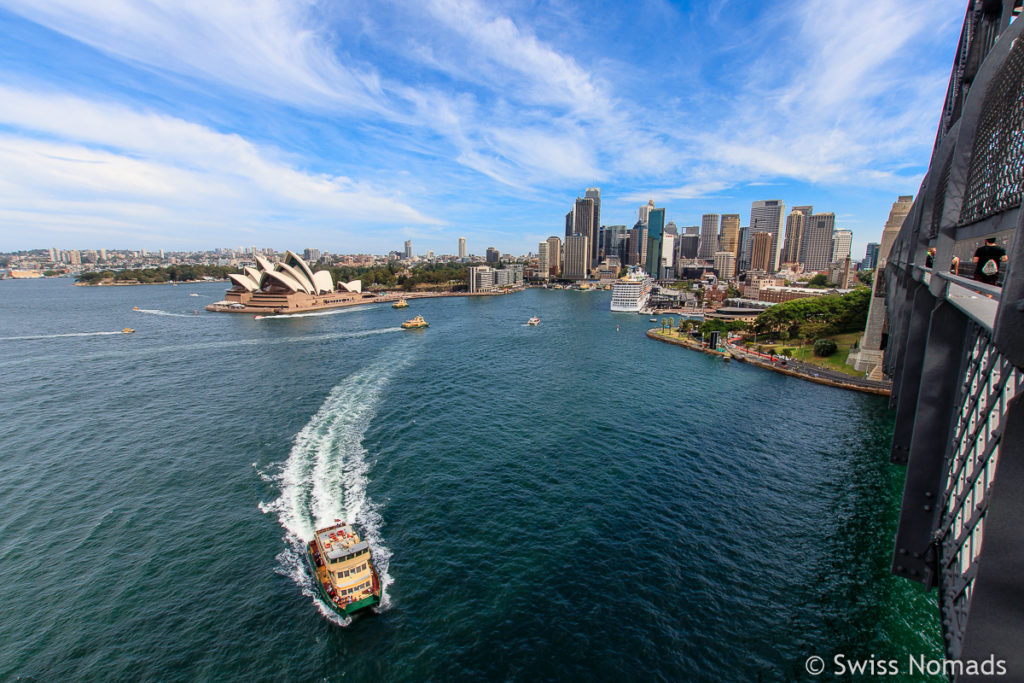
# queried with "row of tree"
point(393, 276)
point(175, 273)
point(815, 317)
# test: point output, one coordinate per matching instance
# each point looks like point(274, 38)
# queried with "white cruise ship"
point(631, 293)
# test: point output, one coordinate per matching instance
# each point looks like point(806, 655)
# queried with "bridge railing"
point(955, 352)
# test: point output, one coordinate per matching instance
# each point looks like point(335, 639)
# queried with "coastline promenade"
point(806, 371)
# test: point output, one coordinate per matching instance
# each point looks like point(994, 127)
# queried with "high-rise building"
point(493, 255)
point(743, 254)
point(870, 256)
point(730, 239)
point(761, 251)
point(668, 255)
point(708, 236)
point(644, 210)
point(480, 279)
point(870, 352)
point(637, 245)
point(569, 223)
point(767, 216)
point(543, 268)
point(594, 194)
point(554, 255)
point(816, 244)
point(462, 247)
point(655, 237)
point(583, 220)
point(842, 242)
point(688, 246)
point(725, 264)
point(577, 257)
point(794, 234)
point(311, 255)
point(408, 249)
point(614, 241)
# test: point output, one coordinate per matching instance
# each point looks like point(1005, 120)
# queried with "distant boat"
point(654, 320)
point(533, 321)
point(135, 308)
point(193, 294)
point(401, 303)
point(257, 317)
point(415, 324)
point(127, 330)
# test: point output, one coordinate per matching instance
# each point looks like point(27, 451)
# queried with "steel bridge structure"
point(955, 352)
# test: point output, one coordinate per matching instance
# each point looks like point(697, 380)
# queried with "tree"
point(664, 322)
point(787, 352)
point(866, 276)
point(824, 348)
point(819, 280)
point(671, 323)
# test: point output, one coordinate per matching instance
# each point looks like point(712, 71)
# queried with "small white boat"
point(533, 321)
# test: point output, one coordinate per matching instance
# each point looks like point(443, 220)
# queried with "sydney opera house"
point(287, 286)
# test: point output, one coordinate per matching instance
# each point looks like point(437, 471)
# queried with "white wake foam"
point(325, 476)
point(154, 311)
point(336, 311)
point(55, 336)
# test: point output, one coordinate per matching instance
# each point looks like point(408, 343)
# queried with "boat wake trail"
point(325, 478)
point(153, 311)
point(55, 336)
point(354, 309)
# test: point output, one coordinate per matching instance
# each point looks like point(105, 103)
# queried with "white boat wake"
point(315, 314)
point(67, 334)
point(325, 478)
point(153, 311)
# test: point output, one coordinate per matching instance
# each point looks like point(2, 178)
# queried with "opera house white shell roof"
point(292, 275)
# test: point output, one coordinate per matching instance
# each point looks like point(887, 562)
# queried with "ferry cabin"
point(345, 564)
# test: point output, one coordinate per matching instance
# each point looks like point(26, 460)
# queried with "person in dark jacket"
point(988, 260)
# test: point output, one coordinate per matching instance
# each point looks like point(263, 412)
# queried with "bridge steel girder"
point(907, 384)
point(934, 403)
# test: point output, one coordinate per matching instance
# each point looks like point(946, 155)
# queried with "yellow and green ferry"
point(415, 324)
point(343, 569)
point(401, 303)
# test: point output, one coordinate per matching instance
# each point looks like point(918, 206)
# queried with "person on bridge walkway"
point(988, 260)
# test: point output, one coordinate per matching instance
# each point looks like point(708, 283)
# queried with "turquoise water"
point(555, 502)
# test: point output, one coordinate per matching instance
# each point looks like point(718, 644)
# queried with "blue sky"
point(353, 126)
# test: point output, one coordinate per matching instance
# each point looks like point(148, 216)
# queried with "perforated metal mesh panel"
point(995, 181)
point(989, 383)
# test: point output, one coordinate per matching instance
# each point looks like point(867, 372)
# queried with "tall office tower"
point(870, 256)
point(816, 245)
point(594, 194)
point(408, 249)
point(75, 257)
point(761, 251)
point(493, 255)
point(577, 257)
point(691, 230)
point(103, 254)
point(583, 220)
point(766, 216)
point(644, 210)
point(689, 244)
point(668, 255)
point(655, 234)
point(462, 247)
point(730, 240)
point(636, 245)
point(842, 242)
point(708, 236)
point(53, 253)
point(794, 234)
point(615, 239)
point(725, 265)
point(554, 255)
point(543, 267)
point(743, 253)
point(872, 344)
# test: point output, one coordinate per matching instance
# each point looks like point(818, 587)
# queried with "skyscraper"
point(554, 255)
point(870, 256)
point(708, 236)
point(594, 194)
point(543, 268)
point(842, 242)
point(644, 210)
point(462, 247)
point(761, 251)
point(637, 245)
point(655, 230)
point(816, 245)
point(766, 216)
point(569, 221)
point(493, 255)
point(794, 234)
point(725, 264)
point(577, 257)
point(408, 249)
point(583, 221)
point(730, 240)
point(614, 242)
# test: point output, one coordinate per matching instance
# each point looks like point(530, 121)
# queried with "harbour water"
point(565, 501)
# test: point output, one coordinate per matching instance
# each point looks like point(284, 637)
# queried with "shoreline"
point(876, 389)
point(386, 298)
point(145, 284)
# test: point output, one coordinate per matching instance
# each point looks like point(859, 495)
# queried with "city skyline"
point(188, 128)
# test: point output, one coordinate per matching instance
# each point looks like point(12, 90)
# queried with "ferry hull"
point(342, 610)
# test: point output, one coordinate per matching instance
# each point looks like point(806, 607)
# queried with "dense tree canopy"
point(175, 273)
point(831, 314)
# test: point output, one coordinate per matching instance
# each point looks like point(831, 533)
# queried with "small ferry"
point(343, 569)
point(401, 303)
point(533, 321)
point(127, 330)
point(135, 308)
point(257, 317)
point(416, 323)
